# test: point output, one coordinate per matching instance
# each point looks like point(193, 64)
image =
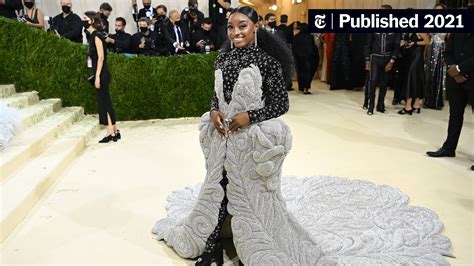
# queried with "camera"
point(24, 19)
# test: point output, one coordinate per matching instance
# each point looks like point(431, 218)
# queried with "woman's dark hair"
point(163, 7)
point(443, 6)
point(274, 46)
point(96, 21)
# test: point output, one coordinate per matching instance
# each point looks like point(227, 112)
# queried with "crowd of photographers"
point(160, 32)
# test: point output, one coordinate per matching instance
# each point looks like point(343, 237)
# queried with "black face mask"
point(104, 16)
point(29, 5)
point(143, 29)
point(161, 18)
point(147, 6)
point(66, 9)
point(85, 24)
point(272, 24)
point(118, 31)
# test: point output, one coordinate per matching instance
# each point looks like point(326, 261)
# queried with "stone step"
point(6, 90)
point(21, 100)
point(32, 141)
point(26, 187)
point(36, 113)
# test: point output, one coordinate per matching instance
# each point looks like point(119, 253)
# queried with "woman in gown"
point(414, 89)
point(244, 163)
point(341, 63)
point(436, 70)
point(244, 146)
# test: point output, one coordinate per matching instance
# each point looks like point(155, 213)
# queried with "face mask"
point(147, 6)
point(104, 16)
point(272, 24)
point(66, 9)
point(85, 24)
point(29, 5)
point(118, 31)
point(143, 29)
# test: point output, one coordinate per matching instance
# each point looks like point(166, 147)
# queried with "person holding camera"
point(161, 19)
point(191, 17)
point(67, 24)
point(147, 42)
point(31, 15)
point(120, 41)
point(98, 57)
point(8, 8)
point(204, 39)
point(146, 12)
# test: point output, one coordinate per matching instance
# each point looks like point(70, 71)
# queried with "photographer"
point(217, 11)
point(31, 15)
point(120, 41)
point(104, 11)
point(67, 24)
point(204, 39)
point(146, 12)
point(161, 19)
point(191, 17)
point(147, 42)
point(8, 8)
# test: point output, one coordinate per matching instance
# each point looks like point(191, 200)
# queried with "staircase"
point(48, 141)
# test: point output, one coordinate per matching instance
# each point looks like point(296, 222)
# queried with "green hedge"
point(141, 87)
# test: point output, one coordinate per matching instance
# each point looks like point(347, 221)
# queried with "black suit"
point(182, 38)
point(122, 42)
point(459, 51)
point(69, 27)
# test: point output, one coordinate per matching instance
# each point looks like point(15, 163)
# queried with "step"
point(32, 141)
point(35, 113)
point(25, 188)
point(21, 100)
point(6, 90)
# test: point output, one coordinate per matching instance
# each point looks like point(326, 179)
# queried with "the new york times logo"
point(379, 20)
point(319, 21)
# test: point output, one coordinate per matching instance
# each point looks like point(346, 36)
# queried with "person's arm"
point(276, 100)
point(100, 60)
point(76, 30)
point(224, 4)
point(368, 47)
point(426, 40)
point(396, 46)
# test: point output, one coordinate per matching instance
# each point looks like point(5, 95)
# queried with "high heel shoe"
point(417, 110)
point(107, 139)
point(217, 256)
point(405, 111)
point(117, 134)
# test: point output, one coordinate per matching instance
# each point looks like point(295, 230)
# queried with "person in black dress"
point(33, 15)
point(414, 89)
point(341, 63)
point(305, 52)
point(98, 56)
point(358, 72)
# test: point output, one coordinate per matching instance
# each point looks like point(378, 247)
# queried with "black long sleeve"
point(75, 32)
point(368, 47)
point(274, 92)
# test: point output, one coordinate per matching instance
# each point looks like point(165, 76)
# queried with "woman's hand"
point(239, 120)
point(217, 119)
point(97, 82)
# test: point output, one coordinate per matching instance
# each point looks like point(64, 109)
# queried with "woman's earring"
point(256, 39)
point(231, 45)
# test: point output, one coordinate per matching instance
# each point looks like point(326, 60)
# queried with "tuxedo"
point(459, 51)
